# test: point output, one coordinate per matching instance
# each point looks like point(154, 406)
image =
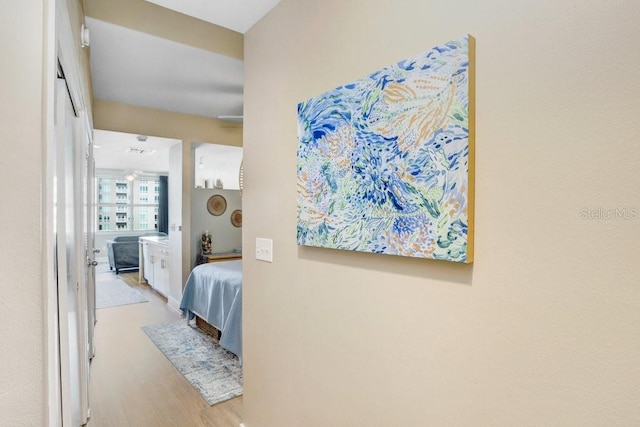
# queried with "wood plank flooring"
point(132, 383)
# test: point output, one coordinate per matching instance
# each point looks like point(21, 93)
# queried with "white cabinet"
point(161, 271)
point(155, 254)
point(147, 262)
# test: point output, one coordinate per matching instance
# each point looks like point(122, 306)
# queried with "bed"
point(213, 292)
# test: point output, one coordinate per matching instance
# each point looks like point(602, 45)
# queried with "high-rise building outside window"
point(126, 205)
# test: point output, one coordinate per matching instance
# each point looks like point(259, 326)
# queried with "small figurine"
point(206, 243)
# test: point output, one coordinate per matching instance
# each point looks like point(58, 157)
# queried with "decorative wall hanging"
point(385, 164)
point(236, 218)
point(216, 205)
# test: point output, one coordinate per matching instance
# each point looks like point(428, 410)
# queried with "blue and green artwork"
point(385, 162)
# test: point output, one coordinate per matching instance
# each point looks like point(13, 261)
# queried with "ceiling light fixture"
point(135, 150)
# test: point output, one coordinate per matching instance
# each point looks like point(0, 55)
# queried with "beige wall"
point(544, 327)
point(147, 121)
point(225, 236)
point(22, 358)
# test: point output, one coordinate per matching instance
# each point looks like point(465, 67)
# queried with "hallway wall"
point(543, 329)
point(22, 329)
point(26, 120)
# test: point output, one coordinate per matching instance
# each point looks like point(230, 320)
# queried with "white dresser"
point(154, 263)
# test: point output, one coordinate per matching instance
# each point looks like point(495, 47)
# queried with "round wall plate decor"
point(236, 218)
point(216, 205)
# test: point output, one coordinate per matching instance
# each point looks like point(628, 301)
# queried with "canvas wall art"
point(385, 163)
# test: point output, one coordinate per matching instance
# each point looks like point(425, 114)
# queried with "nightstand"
point(227, 256)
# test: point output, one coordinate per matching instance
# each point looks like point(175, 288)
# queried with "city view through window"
point(125, 204)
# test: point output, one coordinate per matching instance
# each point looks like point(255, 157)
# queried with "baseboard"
point(174, 304)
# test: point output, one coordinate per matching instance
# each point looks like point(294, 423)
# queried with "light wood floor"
point(133, 384)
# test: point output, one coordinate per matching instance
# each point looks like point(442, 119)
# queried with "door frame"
point(59, 48)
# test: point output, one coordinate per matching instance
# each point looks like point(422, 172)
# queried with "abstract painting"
point(385, 163)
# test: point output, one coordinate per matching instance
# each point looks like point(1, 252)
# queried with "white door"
point(70, 260)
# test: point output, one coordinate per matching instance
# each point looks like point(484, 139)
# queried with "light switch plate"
point(264, 249)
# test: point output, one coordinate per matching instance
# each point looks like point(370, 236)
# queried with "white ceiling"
point(136, 68)
point(236, 15)
point(140, 69)
point(113, 146)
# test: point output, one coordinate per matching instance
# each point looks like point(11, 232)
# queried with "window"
point(131, 208)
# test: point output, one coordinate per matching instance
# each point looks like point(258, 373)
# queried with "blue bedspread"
point(214, 292)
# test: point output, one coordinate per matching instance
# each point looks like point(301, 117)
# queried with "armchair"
point(123, 251)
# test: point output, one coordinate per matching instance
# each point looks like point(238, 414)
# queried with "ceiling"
point(137, 68)
point(112, 151)
point(236, 15)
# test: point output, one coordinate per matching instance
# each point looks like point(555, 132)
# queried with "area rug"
point(213, 371)
point(113, 292)
point(103, 267)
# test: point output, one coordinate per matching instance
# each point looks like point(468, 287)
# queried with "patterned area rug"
point(113, 292)
point(213, 371)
